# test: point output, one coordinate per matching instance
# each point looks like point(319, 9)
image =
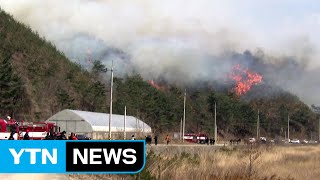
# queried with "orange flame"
point(155, 85)
point(244, 79)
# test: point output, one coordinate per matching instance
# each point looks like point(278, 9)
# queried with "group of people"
point(60, 136)
point(167, 139)
point(50, 136)
point(149, 139)
point(25, 136)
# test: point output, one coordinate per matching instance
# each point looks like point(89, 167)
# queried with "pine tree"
point(65, 101)
point(10, 88)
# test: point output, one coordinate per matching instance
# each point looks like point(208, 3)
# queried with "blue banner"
point(67, 156)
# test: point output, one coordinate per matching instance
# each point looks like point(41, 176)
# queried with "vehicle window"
point(194, 138)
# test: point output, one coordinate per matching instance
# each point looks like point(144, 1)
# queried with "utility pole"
point(125, 121)
point(288, 128)
point(316, 110)
point(215, 122)
point(137, 130)
point(181, 129)
point(142, 128)
point(110, 115)
point(258, 125)
point(184, 114)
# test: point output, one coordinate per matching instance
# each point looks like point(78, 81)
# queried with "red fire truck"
point(6, 127)
point(37, 130)
point(196, 138)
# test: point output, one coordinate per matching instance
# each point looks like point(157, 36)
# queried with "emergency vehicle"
point(37, 130)
point(6, 127)
point(196, 138)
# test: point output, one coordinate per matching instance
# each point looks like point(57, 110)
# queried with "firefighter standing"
point(70, 137)
point(167, 139)
point(11, 136)
point(73, 137)
point(62, 136)
point(155, 139)
point(47, 137)
point(26, 136)
point(51, 134)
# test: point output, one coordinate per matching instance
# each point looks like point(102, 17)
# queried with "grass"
point(294, 162)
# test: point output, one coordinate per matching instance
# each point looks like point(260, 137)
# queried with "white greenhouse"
point(96, 125)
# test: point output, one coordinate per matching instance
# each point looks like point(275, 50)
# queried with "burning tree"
point(244, 79)
point(156, 85)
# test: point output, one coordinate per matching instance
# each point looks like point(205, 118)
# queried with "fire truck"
point(37, 130)
point(196, 138)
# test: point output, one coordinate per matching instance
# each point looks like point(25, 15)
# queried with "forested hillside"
point(37, 80)
point(163, 109)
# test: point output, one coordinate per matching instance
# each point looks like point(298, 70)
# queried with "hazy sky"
point(269, 24)
point(182, 39)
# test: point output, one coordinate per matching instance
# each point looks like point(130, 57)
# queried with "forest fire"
point(155, 85)
point(244, 79)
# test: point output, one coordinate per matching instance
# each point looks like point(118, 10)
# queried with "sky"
point(181, 40)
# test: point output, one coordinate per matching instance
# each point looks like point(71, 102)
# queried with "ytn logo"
point(47, 156)
point(33, 155)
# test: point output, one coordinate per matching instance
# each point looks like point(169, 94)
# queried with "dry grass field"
point(245, 162)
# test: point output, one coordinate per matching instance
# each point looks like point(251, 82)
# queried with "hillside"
point(163, 110)
point(49, 82)
point(37, 80)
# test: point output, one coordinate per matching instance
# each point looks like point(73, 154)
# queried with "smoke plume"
point(185, 42)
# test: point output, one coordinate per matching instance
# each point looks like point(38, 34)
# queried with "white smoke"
point(181, 41)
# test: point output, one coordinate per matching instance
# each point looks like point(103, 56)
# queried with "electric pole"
point(184, 114)
point(288, 128)
point(110, 114)
point(215, 122)
point(317, 111)
point(125, 121)
point(181, 129)
point(258, 125)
